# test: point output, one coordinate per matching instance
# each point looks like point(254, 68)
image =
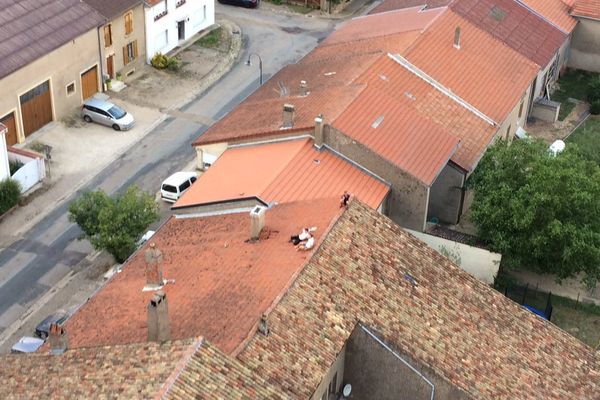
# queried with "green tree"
point(114, 224)
point(540, 211)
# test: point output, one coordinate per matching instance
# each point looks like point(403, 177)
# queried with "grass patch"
point(574, 84)
point(587, 138)
point(212, 40)
point(299, 9)
point(580, 320)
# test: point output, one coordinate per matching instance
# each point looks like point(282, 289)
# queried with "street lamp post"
point(249, 63)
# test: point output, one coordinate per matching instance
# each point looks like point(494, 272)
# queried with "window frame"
point(109, 42)
point(72, 92)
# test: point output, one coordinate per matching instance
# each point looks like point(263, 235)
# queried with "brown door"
point(110, 66)
point(36, 108)
point(9, 122)
point(89, 82)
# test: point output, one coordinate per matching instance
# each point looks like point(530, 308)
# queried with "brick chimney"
point(288, 116)
point(263, 325)
point(303, 89)
point(154, 268)
point(158, 318)
point(457, 38)
point(319, 131)
point(257, 221)
point(58, 339)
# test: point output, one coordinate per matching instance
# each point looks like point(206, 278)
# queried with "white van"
point(174, 186)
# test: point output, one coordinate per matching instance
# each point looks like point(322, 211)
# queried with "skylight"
point(377, 122)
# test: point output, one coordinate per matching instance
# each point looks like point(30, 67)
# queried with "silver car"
point(105, 113)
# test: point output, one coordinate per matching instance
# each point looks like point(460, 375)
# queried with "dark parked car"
point(44, 327)
point(242, 3)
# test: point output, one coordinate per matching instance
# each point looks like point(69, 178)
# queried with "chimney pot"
point(58, 338)
point(457, 38)
point(319, 131)
point(303, 88)
point(154, 259)
point(158, 318)
point(288, 115)
point(257, 221)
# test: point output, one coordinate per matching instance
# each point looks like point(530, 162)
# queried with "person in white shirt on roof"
point(310, 243)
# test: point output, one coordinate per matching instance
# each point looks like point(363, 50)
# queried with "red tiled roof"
point(318, 74)
point(390, 5)
point(484, 72)
point(461, 329)
point(586, 8)
point(282, 172)
point(391, 128)
point(393, 43)
point(516, 26)
point(555, 11)
point(253, 119)
point(406, 20)
point(222, 282)
point(475, 133)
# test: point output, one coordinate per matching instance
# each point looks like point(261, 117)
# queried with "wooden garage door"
point(9, 122)
point(36, 108)
point(89, 82)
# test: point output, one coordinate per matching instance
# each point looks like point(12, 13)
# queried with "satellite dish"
point(347, 390)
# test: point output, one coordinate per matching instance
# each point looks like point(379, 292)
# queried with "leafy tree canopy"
point(114, 224)
point(540, 211)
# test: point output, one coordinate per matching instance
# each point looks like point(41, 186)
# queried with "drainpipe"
point(100, 56)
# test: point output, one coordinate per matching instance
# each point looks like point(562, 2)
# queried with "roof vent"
point(377, 122)
point(410, 95)
point(303, 89)
point(497, 14)
point(288, 116)
point(329, 73)
point(457, 38)
point(257, 221)
point(383, 77)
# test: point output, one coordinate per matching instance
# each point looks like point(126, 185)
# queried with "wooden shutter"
point(135, 50)
point(107, 36)
point(125, 58)
point(128, 23)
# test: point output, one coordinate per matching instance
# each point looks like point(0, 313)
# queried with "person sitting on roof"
point(310, 243)
point(304, 235)
point(345, 199)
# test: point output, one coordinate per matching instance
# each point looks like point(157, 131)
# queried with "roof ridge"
point(185, 360)
point(441, 88)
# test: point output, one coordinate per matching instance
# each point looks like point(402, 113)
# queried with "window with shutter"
point(107, 36)
point(128, 23)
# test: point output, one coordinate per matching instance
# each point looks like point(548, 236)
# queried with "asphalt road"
point(31, 266)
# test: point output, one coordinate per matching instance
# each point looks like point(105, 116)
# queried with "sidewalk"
point(80, 150)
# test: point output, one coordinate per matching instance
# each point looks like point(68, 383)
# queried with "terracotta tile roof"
point(282, 172)
point(484, 72)
point(370, 26)
point(396, 81)
point(222, 282)
point(112, 8)
point(264, 117)
point(465, 331)
point(318, 74)
point(586, 8)
point(211, 374)
point(393, 43)
point(390, 5)
point(130, 372)
point(555, 11)
point(516, 26)
point(391, 128)
point(32, 29)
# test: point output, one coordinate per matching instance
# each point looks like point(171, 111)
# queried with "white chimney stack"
point(303, 89)
point(257, 221)
point(319, 131)
point(288, 116)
